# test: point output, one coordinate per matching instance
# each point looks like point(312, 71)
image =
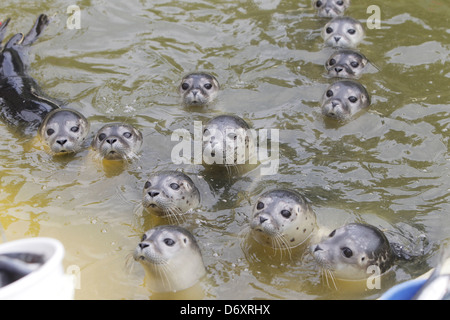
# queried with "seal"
point(171, 258)
point(343, 99)
point(198, 89)
point(343, 32)
point(348, 252)
point(227, 140)
point(117, 141)
point(346, 63)
point(170, 193)
point(331, 8)
point(22, 103)
point(282, 219)
point(64, 131)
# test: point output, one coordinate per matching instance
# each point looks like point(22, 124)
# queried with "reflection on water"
point(388, 167)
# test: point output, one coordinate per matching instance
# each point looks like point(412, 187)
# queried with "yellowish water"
point(388, 167)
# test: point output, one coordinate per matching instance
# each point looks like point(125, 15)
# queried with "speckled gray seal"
point(282, 219)
point(352, 251)
point(343, 32)
point(64, 131)
point(346, 63)
point(171, 258)
point(331, 8)
point(117, 141)
point(170, 193)
point(343, 99)
point(198, 89)
point(228, 140)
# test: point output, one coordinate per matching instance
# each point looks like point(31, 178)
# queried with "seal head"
point(117, 141)
point(348, 64)
point(282, 219)
point(171, 258)
point(331, 8)
point(198, 89)
point(349, 251)
point(64, 131)
point(170, 193)
point(343, 32)
point(343, 99)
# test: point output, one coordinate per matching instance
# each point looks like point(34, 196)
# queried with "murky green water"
point(388, 167)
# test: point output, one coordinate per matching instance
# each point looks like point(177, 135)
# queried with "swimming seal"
point(282, 219)
point(349, 251)
point(64, 131)
point(198, 89)
point(227, 140)
point(170, 193)
point(347, 63)
point(171, 258)
point(343, 32)
point(117, 141)
point(343, 99)
point(331, 8)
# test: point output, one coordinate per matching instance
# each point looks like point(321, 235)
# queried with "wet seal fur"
point(331, 8)
point(343, 32)
point(198, 89)
point(346, 63)
point(349, 251)
point(282, 219)
point(117, 141)
point(170, 194)
point(343, 99)
point(171, 258)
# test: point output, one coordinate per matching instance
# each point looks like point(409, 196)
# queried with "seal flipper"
point(39, 26)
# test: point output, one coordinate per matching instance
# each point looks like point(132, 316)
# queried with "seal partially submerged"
point(343, 99)
point(331, 8)
point(349, 251)
point(23, 105)
point(282, 219)
point(170, 193)
point(346, 64)
point(171, 258)
point(198, 89)
point(117, 141)
point(343, 32)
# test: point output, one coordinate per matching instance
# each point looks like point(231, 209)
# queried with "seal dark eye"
point(260, 206)
point(144, 237)
point(169, 242)
point(347, 252)
point(329, 30)
point(318, 4)
point(147, 185)
point(175, 186)
point(285, 213)
point(128, 135)
point(50, 132)
point(351, 31)
point(332, 62)
point(332, 234)
point(75, 129)
point(102, 137)
point(354, 64)
point(352, 99)
point(185, 86)
point(329, 93)
point(340, 3)
point(208, 86)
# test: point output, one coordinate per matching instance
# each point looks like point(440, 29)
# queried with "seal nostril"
point(337, 39)
point(153, 193)
point(338, 69)
point(143, 245)
point(61, 142)
point(111, 141)
point(317, 248)
point(262, 219)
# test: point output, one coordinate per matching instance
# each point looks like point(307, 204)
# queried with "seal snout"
point(318, 248)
